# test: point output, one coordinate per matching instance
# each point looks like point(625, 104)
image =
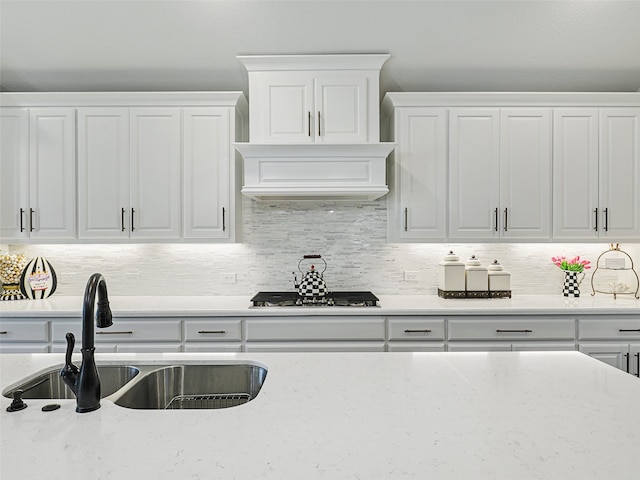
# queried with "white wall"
point(350, 236)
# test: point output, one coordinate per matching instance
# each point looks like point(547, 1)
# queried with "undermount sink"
point(195, 387)
point(158, 387)
point(50, 385)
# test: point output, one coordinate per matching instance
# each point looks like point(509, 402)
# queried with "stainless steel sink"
point(194, 387)
point(158, 387)
point(50, 385)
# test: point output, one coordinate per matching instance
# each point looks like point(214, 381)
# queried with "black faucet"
point(85, 383)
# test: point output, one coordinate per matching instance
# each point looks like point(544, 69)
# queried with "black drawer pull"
point(637, 355)
point(219, 332)
point(629, 329)
point(514, 331)
point(3, 333)
point(426, 330)
point(128, 332)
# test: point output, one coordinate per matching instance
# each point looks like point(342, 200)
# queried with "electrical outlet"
point(411, 276)
point(68, 278)
point(228, 278)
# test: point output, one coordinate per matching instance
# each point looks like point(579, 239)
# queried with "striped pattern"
point(38, 279)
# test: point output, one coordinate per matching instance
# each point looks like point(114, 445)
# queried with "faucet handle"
point(71, 343)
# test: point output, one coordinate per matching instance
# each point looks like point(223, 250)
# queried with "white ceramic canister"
point(499, 278)
point(451, 274)
point(477, 278)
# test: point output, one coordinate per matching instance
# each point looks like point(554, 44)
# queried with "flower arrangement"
point(574, 264)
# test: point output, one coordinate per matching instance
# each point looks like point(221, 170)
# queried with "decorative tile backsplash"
point(350, 236)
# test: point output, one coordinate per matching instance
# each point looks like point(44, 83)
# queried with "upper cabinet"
point(596, 173)
point(513, 166)
point(314, 98)
point(37, 167)
point(314, 127)
point(150, 166)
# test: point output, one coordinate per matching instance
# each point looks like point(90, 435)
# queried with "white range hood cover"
point(311, 172)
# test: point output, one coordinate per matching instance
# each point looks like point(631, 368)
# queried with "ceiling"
point(508, 45)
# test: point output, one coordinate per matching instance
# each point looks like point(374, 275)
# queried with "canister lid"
point(496, 269)
point(451, 259)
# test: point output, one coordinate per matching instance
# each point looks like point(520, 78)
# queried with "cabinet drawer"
point(315, 328)
point(413, 329)
point(531, 328)
point(24, 331)
point(124, 331)
point(213, 330)
point(626, 328)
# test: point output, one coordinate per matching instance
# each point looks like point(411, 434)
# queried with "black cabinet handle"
point(629, 329)
point(514, 331)
point(223, 224)
point(3, 332)
point(626, 355)
point(637, 355)
point(132, 212)
point(309, 124)
point(218, 332)
point(127, 332)
point(418, 331)
point(506, 219)
point(606, 219)
point(122, 219)
point(21, 220)
point(596, 214)
point(406, 213)
point(31, 219)
point(496, 215)
point(319, 134)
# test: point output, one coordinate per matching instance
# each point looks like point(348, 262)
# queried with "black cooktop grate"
point(337, 299)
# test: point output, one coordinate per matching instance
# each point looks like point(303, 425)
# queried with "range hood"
point(317, 171)
point(314, 128)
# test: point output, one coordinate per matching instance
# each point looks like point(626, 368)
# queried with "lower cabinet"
point(415, 334)
point(614, 340)
point(315, 333)
point(521, 333)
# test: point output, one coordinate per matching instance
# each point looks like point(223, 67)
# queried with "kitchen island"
point(454, 415)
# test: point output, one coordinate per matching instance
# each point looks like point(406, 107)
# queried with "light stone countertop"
point(502, 415)
point(167, 306)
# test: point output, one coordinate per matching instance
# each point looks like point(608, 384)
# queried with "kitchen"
point(275, 234)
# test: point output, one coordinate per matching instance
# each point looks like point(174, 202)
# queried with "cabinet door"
point(620, 172)
point(419, 199)
point(52, 173)
point(155, 172)
point(282, 108)
point(575, 173)
point(525, 173)
point(474, 173)
point(207, 159)
point(103, 173)
point(14, 172)
point(614, 354)
point(341, 113)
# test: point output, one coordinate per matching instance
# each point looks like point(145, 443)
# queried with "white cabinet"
point(314, 98)
point(596, 169)
point(500, 173)
point(311, 333)
point(38, 174)
point(14, 172)
point(619, 168)
point(103, 173)
point(129, 172)
point(155, 172)
point(613, 340)
point(415, 334)
point(521, 333)
point(417, 203)
point(207, 182)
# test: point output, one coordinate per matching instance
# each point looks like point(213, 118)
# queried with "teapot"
point(311, 285)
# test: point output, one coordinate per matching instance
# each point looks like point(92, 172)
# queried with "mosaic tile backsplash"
point(351, 237)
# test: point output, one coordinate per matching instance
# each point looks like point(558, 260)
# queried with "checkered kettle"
point(312, 284)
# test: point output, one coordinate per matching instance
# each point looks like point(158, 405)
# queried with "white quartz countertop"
point(503, 415)
point(57, 306)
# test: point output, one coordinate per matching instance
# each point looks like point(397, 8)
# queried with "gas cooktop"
point(331, 299)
